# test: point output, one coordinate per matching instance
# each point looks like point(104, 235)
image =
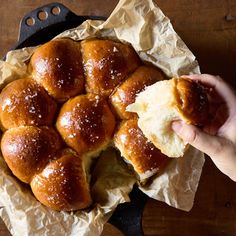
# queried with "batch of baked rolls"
point(70, 109)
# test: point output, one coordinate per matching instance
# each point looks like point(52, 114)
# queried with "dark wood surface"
point(209, 29)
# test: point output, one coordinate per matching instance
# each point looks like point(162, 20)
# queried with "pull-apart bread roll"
point(162, 103)
point(106, 64)
point(57, 66)
point(144, 157)
point(24, 102)
point(27, 149)
point(62, 184)
point(86, 124)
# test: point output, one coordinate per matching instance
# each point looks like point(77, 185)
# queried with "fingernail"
point(176, 126)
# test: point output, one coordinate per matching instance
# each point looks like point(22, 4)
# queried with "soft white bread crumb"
point(156, 108)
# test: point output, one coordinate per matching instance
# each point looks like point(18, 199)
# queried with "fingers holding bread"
point(164, 102)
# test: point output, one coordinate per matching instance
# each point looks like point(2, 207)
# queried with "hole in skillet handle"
point(42, 15)
point(56, 10)
point(29, 21)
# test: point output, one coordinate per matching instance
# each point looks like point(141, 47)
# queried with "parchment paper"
point(141, 23)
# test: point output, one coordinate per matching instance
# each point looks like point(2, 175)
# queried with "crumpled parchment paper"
point(141, 23)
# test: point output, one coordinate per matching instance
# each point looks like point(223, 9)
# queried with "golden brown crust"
point(65, 69)
point(137, 150)
point(24, 102)
point(191, 101)
point(62, 185)
point(27, 149)
point(86, 123)
point(106, 64)
point(57, 66)
point(126, 93)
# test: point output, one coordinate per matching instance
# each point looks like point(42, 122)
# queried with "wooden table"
point(209, 29)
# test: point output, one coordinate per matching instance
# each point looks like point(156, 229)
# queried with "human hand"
point(218, 138)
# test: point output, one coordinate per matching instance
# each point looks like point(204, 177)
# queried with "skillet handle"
point(32, 22)
point(128, 216)
point(44, 23)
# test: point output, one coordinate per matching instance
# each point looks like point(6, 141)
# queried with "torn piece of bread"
point(162, 103)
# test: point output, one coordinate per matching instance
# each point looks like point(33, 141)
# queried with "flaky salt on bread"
point(96, 80)
point(162, 103)
point(81, 75)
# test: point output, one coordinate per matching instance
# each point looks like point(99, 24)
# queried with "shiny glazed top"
point(95, 79)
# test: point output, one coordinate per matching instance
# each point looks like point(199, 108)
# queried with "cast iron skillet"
point(128, 216)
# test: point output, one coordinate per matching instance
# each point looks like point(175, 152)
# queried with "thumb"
point(197, 138)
